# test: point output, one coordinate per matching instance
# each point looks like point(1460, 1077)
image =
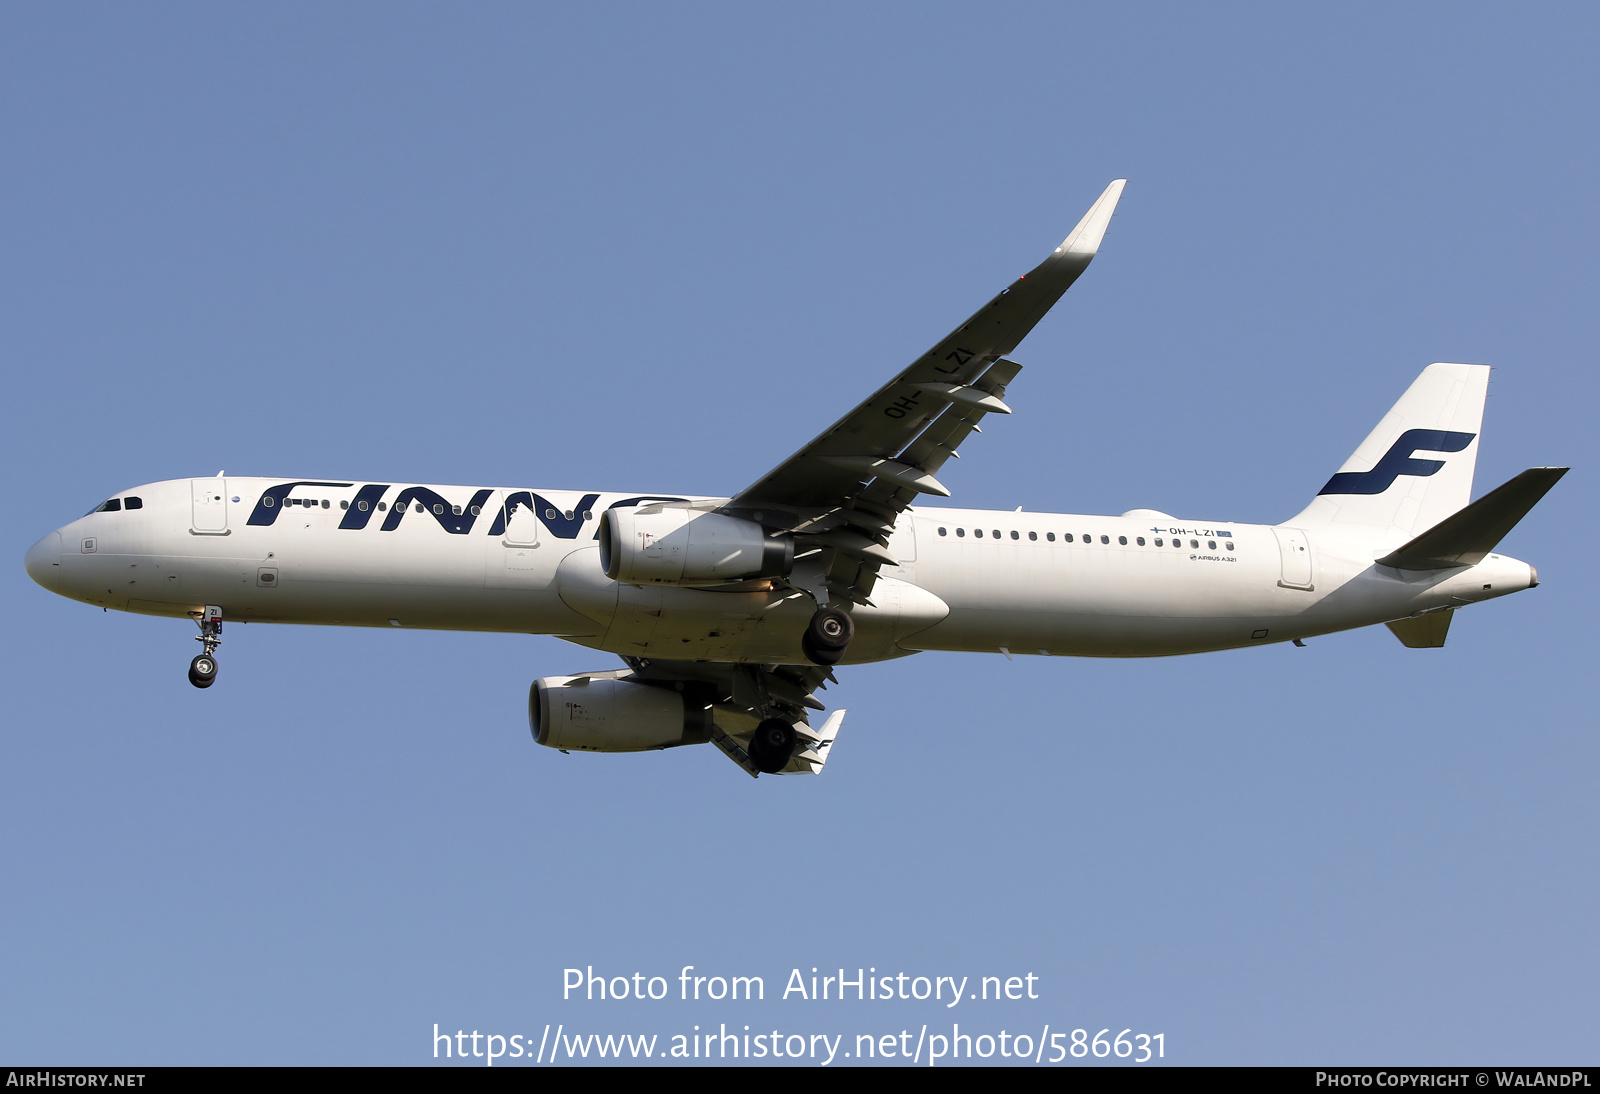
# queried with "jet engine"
point(675, 545)
point(600, 713)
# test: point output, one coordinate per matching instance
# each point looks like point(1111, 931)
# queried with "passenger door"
point(209, 506)
point(1296, 552)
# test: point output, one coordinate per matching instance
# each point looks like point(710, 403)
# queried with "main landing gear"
point(772, 746)
point(203, 669)
point(827, 636)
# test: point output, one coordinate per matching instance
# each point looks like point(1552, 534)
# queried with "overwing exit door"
point(522, 536)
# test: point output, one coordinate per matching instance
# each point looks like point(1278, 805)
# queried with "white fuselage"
point(1035, 583)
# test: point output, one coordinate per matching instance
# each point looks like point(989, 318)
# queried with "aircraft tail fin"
point(1415, 469)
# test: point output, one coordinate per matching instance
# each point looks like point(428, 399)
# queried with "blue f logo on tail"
point(1398, 461)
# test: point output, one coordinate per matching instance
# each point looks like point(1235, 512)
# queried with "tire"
point(827, 636)
point(772, 746)
point(203, 671)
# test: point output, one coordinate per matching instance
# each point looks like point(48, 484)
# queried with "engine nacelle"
point(601, 714)
point(675, 545)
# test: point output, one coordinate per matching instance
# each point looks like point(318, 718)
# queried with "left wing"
point(841, 493)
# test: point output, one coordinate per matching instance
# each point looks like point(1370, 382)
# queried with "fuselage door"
point(522, 526)
point(209, 506)
point(903, 540)
point(522, 537)
point(1296, 552)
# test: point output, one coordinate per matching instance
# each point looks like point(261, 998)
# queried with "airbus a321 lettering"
point(730, 614)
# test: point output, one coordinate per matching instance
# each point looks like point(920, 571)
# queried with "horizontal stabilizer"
point(1423, 632)
point(1463, 538)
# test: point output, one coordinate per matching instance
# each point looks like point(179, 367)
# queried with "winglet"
point(1085, 238)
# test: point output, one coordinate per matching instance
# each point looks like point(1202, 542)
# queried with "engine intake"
point(674, 545)
point(602, 714)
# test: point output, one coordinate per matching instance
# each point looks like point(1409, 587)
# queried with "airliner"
point(730, 614)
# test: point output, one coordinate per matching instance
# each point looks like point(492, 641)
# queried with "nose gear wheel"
point(203, 669)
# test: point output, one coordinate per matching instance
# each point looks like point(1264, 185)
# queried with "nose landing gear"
point(203, 669)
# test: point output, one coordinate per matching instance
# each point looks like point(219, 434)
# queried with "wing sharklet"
point(1086, 237)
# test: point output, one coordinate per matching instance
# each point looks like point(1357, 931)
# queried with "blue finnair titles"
point(454, 518)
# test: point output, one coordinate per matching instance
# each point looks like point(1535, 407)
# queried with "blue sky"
point(658, 248)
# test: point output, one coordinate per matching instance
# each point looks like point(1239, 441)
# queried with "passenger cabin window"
point(942, 532)
point(1105, 539)
point(1051, 536)
point(1014, 534)
point(961, 532)
point(1229, 545)
point(1194, 544)
point(1140, 541)
point(978, 532)
point(1160, 542)
point(1033, 535)
point(1122, 540)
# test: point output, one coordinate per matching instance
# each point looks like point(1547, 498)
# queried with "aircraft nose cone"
point(43, 561)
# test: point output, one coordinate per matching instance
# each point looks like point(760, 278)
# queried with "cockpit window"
point(133, 503)
point(112, 506)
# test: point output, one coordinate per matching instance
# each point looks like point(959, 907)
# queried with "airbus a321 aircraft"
point(730, 613)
